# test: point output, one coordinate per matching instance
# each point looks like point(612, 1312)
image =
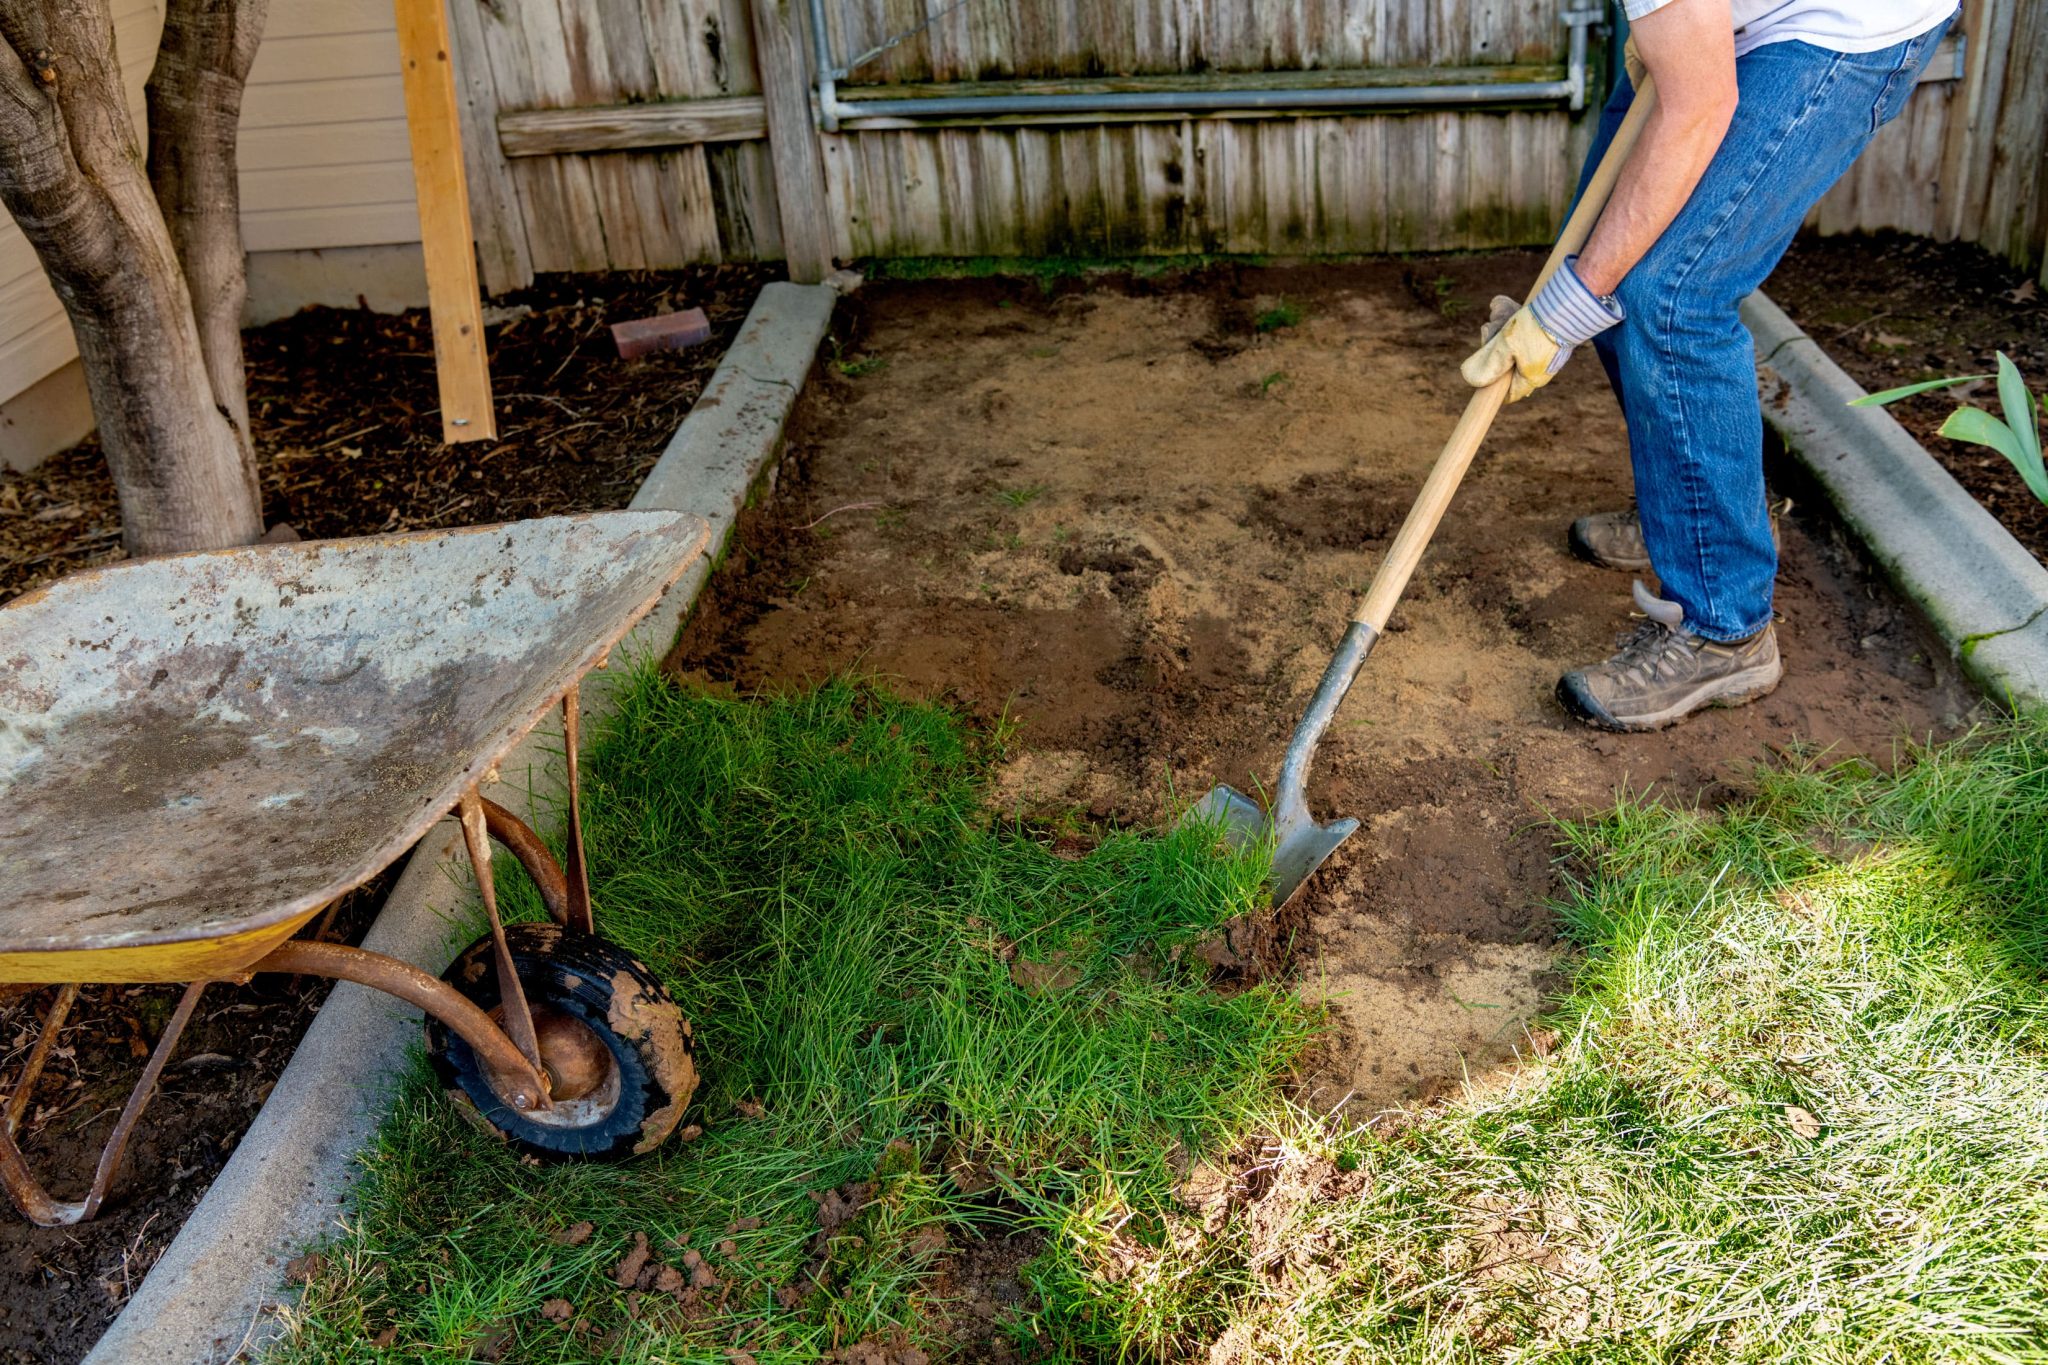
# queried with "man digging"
point(1762, 105)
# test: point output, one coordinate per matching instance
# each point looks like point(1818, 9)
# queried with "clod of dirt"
point(305, 1269)
point(1043, 978)
point(557, 1310)
point(627, 1271)
point(748, 1109)
point(747, 1224)
point(893, 1350)
point(575, 1235)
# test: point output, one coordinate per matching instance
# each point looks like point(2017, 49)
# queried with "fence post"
point(781, 48)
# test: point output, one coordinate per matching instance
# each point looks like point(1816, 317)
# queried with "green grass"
point(1791, 1106)
point(1794, 1108)
point(1281, 314)
point(816, 878)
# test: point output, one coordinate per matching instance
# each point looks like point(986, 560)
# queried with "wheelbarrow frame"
point(507, 1047)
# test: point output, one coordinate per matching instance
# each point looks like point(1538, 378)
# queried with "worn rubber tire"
point(602, 986)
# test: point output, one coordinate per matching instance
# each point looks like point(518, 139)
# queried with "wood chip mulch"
point(348, 431)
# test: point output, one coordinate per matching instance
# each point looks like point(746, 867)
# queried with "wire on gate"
point(899, 39)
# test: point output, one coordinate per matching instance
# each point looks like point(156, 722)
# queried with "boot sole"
point(1735, 690)
point(1582, 549)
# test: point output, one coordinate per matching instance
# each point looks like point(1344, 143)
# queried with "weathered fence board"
point(631, 133)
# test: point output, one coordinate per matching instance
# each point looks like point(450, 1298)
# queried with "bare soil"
point(1133, 520)
point(348, 433)
point(1895, 310)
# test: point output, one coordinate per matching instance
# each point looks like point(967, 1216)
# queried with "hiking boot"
point(1614, 540)
point(1664, 673)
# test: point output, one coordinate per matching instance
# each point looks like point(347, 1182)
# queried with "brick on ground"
point(668, 332)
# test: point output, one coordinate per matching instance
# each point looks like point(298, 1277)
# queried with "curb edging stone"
point(213, 1292)
point(1980, 589)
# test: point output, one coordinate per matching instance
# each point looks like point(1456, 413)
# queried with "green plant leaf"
point(1980, 428)
point(1878, 400)
point(2019, 410)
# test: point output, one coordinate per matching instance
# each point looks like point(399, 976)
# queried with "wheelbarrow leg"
point(32, 1199)
point(579, 913)
point(511, 995)
point(53, 1024)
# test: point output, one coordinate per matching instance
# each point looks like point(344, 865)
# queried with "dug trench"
point(1130, 519)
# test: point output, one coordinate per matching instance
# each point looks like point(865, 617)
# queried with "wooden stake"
point(780, 48)
point(445, 237)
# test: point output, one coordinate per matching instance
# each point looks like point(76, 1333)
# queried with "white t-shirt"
point(1839, 25)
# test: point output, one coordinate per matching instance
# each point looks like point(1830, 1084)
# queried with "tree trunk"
point(195, 109)
point(71, 173)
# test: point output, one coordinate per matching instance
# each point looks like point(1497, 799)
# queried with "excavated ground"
point(1133, 518)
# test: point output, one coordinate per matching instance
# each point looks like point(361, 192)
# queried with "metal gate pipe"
point(833, 110)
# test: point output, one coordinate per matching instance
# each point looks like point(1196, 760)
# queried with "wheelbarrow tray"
point(204, 749)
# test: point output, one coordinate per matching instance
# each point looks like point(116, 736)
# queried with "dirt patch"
point(348, 433)
point(1894, 310)
point(1135, 526)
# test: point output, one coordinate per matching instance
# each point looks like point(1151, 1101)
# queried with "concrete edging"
point(212, 1292)
point(1983, 593)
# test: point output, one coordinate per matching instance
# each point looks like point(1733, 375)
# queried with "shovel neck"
point(1322, 709)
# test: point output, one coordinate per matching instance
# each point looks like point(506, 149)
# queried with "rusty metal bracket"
point(523, 842)
point(511, 995)
point(431, 994)
point(36, 1203)
point(579, 916)
point(32, 1070)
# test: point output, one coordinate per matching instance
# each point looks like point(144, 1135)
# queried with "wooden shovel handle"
point(1415, 533)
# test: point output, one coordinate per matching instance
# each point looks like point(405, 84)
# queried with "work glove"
point(1632, 62)
point(1532, 342)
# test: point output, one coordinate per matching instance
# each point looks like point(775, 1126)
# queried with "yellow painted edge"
point(197, 959)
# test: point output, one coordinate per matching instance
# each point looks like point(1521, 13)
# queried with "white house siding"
point(323, 154)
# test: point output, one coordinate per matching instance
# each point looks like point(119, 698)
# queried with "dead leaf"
point(2024, 294)
point(305, 1269)
point(1802, 1121)
point(492, 1345)
point(385, 1337)
point(1892, 339)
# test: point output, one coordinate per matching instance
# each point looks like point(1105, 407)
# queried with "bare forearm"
point(1688, 48)
point(1669, 161)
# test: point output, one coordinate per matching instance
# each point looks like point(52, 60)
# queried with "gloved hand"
point(1532, 343)
point(1632, 62)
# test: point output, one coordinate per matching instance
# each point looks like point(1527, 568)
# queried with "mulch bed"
point(348, 436)
point(348, 429)
point(1894, 310)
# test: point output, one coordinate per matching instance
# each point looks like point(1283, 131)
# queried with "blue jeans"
point(1683, 365)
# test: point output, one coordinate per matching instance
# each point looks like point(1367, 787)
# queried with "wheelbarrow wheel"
point(615, 1046)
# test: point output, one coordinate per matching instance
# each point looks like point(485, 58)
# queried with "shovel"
point(1299, 843)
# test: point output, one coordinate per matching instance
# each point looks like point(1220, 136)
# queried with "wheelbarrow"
point(201, 752)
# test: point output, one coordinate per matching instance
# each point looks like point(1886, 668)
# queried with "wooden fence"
point(1969, 158)
point(636, 133)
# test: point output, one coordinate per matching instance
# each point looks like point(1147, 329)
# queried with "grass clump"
point(1281, 314)
point(1793, 1107)
point(889, 989)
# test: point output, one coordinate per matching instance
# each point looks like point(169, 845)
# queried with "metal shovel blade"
point(1300, 845)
